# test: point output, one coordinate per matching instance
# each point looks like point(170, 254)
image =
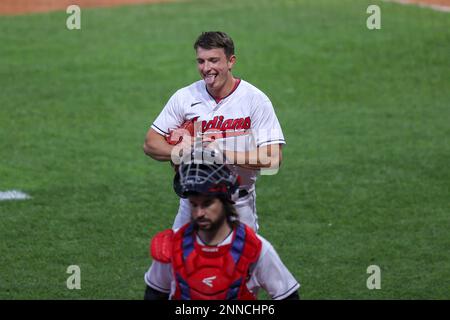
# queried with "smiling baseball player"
point(237, 116)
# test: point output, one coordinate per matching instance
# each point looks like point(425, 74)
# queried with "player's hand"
point(183, 139)
point(183, 150)
point(186, 130)
point(213, 149)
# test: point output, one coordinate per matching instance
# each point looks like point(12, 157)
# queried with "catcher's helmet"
point(211, 179)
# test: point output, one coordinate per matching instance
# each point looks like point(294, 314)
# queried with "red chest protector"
point(211, 273)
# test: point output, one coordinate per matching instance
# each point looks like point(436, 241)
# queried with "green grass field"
point(365, 178)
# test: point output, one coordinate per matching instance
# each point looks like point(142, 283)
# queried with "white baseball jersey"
point(268, 273)
point(245, 120)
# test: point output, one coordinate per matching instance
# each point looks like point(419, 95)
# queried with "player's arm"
point(156, 146)
point(268, 136)
point(159, 277)
point(268, 156)
point(273, 276)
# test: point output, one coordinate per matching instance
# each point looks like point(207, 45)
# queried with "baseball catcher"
point(214, 256)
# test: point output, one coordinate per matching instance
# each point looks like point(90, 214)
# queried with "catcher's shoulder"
point(161, 246)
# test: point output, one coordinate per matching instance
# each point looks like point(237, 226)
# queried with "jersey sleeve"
point(266, 128)
point(159, 276)
point(171, 117)
point(271, 274)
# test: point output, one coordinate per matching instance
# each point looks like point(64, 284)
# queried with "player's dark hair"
point(215, 39)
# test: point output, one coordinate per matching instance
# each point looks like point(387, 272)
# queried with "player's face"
point(214, 67)
point(207, 212)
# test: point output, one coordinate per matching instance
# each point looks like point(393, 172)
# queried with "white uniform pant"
point(245, 207)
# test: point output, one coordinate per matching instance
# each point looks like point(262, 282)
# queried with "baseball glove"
point(176, 136)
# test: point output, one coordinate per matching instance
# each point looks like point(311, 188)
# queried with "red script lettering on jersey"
point(220, 124)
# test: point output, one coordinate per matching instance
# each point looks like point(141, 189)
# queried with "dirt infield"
point(445, 3)
point(15, 7)
point(440, 5)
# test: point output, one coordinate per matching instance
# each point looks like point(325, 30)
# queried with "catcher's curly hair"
point(215, 39)
point(230, 211)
